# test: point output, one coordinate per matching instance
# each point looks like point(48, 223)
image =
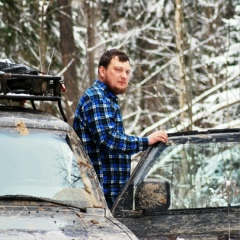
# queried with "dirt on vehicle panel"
point(22, 128)
point(85, 169)
point(152, 193)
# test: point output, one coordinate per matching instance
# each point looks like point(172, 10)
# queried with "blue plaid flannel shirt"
point(98, 123)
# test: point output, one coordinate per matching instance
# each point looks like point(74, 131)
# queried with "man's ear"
point(102, 71)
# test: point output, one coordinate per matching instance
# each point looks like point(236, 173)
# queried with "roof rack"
point(22, 87)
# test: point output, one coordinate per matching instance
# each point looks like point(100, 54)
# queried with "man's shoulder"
point(96, 91)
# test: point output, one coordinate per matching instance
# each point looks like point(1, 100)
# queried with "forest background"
point(185, 55)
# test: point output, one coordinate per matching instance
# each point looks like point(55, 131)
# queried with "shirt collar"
point(105, 89)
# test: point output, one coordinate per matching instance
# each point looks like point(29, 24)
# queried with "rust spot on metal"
point(22, 129)
point(79, 215)
point(87, 189)
point(170, 143)
point(94, 221)
point(42, 209)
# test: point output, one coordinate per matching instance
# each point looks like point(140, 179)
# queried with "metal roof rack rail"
point(22, 87)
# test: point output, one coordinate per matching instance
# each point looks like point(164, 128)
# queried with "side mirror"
point(152, 195)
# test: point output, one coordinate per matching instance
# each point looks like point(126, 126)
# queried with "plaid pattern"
point(98, 123)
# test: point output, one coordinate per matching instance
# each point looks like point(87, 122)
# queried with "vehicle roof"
point(206, 136)
point(10, 116)
point(205, 132)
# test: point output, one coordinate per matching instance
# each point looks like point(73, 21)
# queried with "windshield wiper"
point(33, 198)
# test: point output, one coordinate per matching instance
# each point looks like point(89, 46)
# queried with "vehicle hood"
point(30, 223)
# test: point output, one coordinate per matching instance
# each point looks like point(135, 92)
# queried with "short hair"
point(109, 55)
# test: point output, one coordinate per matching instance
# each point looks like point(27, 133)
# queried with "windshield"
point(41, 164)
point(201, 174)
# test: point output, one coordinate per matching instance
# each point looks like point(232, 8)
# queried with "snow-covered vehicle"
point(48, 186)
point(186, 189)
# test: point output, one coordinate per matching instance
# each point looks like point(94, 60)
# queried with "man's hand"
point(158, 136)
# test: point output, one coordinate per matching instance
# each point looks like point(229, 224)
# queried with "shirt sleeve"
point(104, 121)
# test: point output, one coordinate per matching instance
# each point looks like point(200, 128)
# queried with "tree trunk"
point(42, 47)
point(184, 95)
point(91, 14)
point(68, 50)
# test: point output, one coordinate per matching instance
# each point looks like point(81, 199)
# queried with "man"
point(98, 123)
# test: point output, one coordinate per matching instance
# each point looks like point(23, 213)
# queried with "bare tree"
point(196, 42)
point(184, 96)
point(68, 50)
point(42, 47)
point(91, 11)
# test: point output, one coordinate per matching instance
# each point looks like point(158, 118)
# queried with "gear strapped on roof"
point(19, 82)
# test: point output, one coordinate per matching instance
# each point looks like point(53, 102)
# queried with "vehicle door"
point(187, 189)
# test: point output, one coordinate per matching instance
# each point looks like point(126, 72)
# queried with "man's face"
point(116, 76)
